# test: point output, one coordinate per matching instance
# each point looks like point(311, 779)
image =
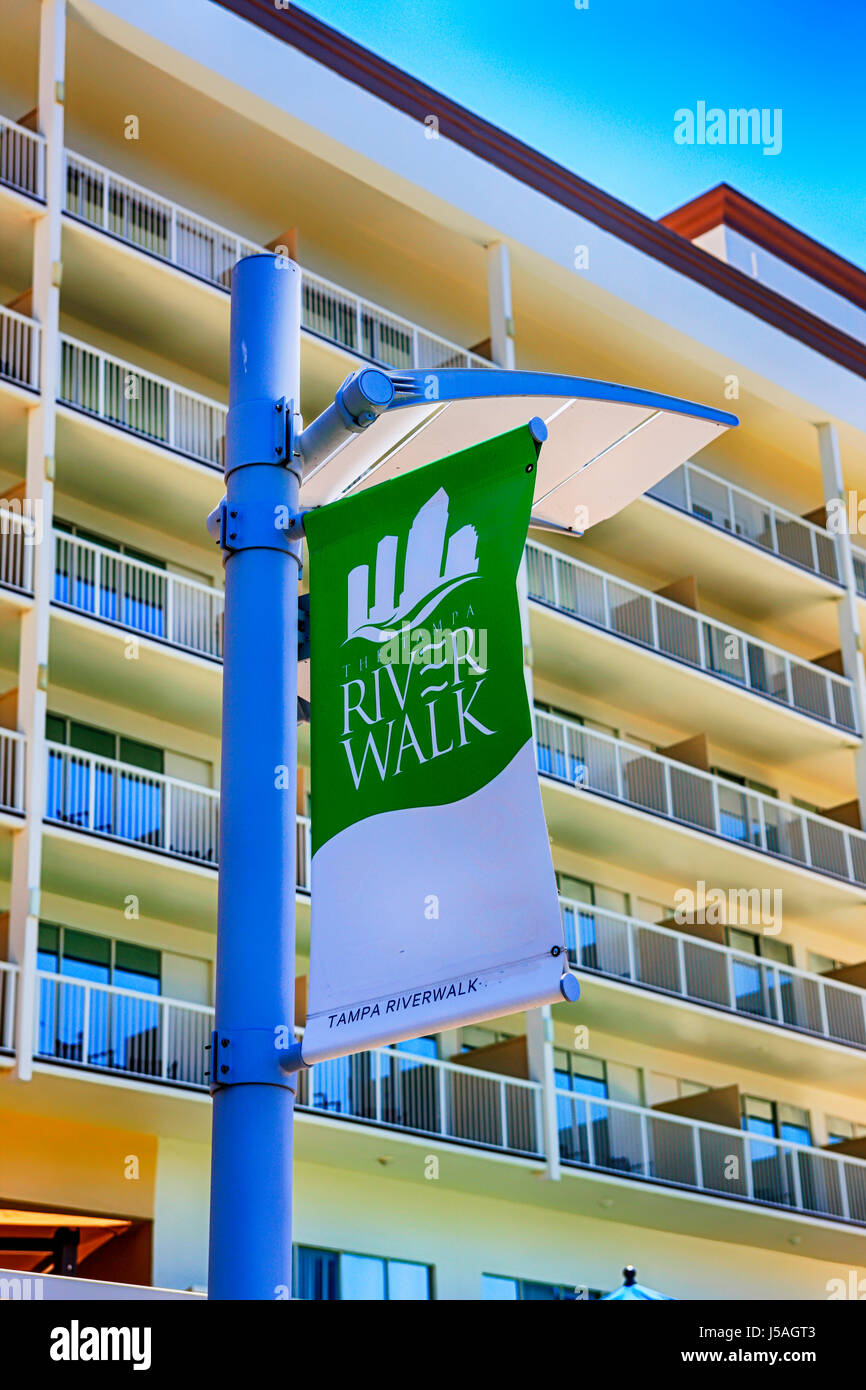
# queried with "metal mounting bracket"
point(253, 1056)
point(303, 627)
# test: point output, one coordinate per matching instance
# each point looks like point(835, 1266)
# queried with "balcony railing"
point(651, 782)
point(370, 331)
point(117, 589)
point(718, 503)
point(202, 248)
point(18, 536)
point(125, 803)
point(121, 1030)
point(161, 228)
point(394, 1088)
point(8, 981)
point(22, 159)
point(13, 750)
point(141, 403)
point(640, 616)
point(130, 1033)
point(703, 972)
point(122, 802)
point(151, 1037)
point(19, 349)
point(634, 1142)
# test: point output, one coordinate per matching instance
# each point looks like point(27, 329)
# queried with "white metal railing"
point(371, 331)
point(126, 803)
point(8, 982)
point(156, 225)
point(121, 1030)
point(705, 972)
point(140, 402)
point(19, 348)
point(391, 1087)
point(164, 229)
point(13, 750)
point(752, 518)
point(123, 802)
point(22, 159)
point(136, 595)
point(17, 539)
point(652, 782)
point(859, 558)
point(636, 1142)
point(638, 615)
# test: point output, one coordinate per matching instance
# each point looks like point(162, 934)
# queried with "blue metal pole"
point(253, 1102)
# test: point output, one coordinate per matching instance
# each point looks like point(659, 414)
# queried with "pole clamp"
point(254, 1057)
point(263, 431)
point(257, 526)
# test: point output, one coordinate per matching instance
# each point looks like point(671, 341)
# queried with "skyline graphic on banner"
point(427, 577)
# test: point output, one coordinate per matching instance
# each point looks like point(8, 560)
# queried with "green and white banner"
point(433, 895)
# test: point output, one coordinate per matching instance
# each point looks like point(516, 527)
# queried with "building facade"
point(695, 665)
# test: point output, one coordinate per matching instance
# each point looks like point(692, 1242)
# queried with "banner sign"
point(434, 902)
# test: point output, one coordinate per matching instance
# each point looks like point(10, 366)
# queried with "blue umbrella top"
point(632, 1291)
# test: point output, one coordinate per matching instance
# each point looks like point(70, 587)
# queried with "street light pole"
point(253, 1100)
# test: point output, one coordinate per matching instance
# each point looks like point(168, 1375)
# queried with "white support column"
point(499, 300)
point(33, 655)
point(850, 636)
point(539, 1046)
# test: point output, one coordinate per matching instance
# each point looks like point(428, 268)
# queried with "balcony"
point(146, 809)
point(750, 518)
point(133, 214)
point(145, 1037)
point(123, 1031)
point(8, 981)
point(634, 1142)
point(140, 403)
point(202, 249)
point(722, 813)
point(139, 597)
point(19, 349)
point(22, 159)
point(675, 963)
point(683, 635)
point(18, 537)
point(12, 755)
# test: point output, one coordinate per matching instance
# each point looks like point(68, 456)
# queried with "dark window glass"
point(55, 728)
point(138, 960)
point(91, 740)
point(316, 1275)
point(141, 755)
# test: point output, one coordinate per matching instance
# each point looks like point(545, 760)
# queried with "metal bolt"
point(556, 951)
point(278, 449)
point(233, 535)
point(223, 1069)
point(234, 513)
point(224, 1042)
point(278, 406)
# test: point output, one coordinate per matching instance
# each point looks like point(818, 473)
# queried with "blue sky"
point(597, 88)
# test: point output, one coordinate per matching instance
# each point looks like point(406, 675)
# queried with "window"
point(839, 1131)
point(93, 582)
point(821, 965)
point(80, 1019)
point(497, 1287)
point(573, 1071)
point(470, 1038)
point(775, 1120)
point(98, 796)
point(768, 993)
point(333, 1275)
